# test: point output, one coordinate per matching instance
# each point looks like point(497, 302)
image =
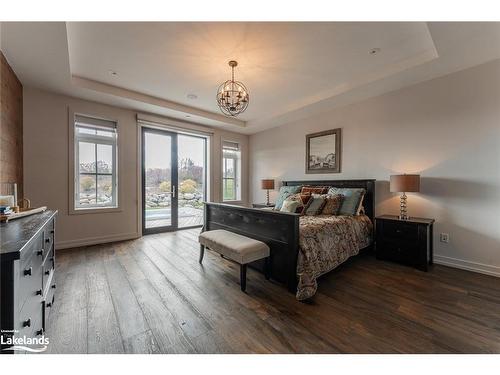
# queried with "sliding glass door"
point(174, 175)
point(159, 181)
point(192, 172)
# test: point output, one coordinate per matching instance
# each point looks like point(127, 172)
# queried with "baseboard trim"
point(467, 265)
point(95, 240)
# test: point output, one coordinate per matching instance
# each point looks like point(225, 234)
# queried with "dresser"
point(408, 242)
point(27, 286)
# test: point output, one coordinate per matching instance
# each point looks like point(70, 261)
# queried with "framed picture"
point(323, 151)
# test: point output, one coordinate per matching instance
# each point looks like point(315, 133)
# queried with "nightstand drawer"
point(399, 230)
point(402, 252)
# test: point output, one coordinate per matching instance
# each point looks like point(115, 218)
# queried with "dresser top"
point(420, 220)
point(16, 234)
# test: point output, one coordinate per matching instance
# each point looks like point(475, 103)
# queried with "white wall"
point(446, 129)
point(46, 167)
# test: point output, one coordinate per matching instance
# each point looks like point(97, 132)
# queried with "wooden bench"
point(240, 249)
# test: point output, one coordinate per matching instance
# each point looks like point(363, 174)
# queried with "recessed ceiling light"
point(374, 51)
point(188, 115)
point(192, 96)
point(112, 73)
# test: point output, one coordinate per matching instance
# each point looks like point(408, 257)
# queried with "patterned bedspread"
point(325, 243)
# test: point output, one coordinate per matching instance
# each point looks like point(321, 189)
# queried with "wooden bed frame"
point(279, 230)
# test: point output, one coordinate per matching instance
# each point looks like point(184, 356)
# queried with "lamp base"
point(403, 213)
point(267, 198)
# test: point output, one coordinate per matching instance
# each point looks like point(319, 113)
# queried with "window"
point(95, 163)
point(231, 171)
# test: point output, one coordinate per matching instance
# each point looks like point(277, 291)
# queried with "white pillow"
point(289, 205)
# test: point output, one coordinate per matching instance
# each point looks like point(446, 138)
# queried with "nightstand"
point(407, 242)
point(262, 205)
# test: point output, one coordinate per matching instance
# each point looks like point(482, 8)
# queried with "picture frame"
point(324, 152)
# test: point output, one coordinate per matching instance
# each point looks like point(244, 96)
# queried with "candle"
point(15, 195)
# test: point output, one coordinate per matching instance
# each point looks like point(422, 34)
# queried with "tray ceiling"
point(290, 69)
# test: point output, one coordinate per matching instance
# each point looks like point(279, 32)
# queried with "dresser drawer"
point(30, 321)
point(30, 280)
point(48, 303)
point(48, 236)
point(399, 230)
point(48, 266)
point(48, 254)
point(33, 249)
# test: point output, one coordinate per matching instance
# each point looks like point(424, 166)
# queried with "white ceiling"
point(292, 70)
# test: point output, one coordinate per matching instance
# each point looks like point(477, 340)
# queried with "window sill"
point(94, 210)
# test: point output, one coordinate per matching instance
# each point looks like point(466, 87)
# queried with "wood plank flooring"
point(151, 296)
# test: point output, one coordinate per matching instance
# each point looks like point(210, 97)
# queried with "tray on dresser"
point(22, 213)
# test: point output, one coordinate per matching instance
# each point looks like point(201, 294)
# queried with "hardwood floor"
point(152, 296)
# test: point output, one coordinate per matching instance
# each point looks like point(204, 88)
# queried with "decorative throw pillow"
point(303, 201)
point(304, 198)
point(314, 190)
point(284, 193)
point(361, 209)
point(290, 205)
point(315, 205)
point(332, 205)
point(353, 198)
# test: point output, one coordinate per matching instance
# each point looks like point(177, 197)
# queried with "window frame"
point(236, 157)
point(74, 175)
point(96, 140)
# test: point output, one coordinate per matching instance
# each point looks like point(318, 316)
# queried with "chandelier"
point(232, 96)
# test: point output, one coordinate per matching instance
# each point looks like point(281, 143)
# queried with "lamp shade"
point(405, 183)
point(267, 184)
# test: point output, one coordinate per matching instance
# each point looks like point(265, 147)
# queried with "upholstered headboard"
point(368, 185)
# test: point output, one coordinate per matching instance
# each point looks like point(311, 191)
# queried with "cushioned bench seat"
point(241, 249)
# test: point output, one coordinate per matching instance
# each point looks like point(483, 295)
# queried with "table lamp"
point(267, 184)
point(404, 183)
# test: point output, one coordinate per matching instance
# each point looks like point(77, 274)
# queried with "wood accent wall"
point(11, 127)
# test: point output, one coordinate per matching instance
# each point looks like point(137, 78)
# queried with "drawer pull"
point(47, 240)
point(27, 323)
point(39, 292)
point(49, 304)
point(39, 252)
point(39, 332)
point(52, 231)
point(53, 286)
point(47, 272)
point(27, 272)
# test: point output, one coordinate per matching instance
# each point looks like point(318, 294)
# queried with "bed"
point(302, 247)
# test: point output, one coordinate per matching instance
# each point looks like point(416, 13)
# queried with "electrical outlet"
point(444, 237)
